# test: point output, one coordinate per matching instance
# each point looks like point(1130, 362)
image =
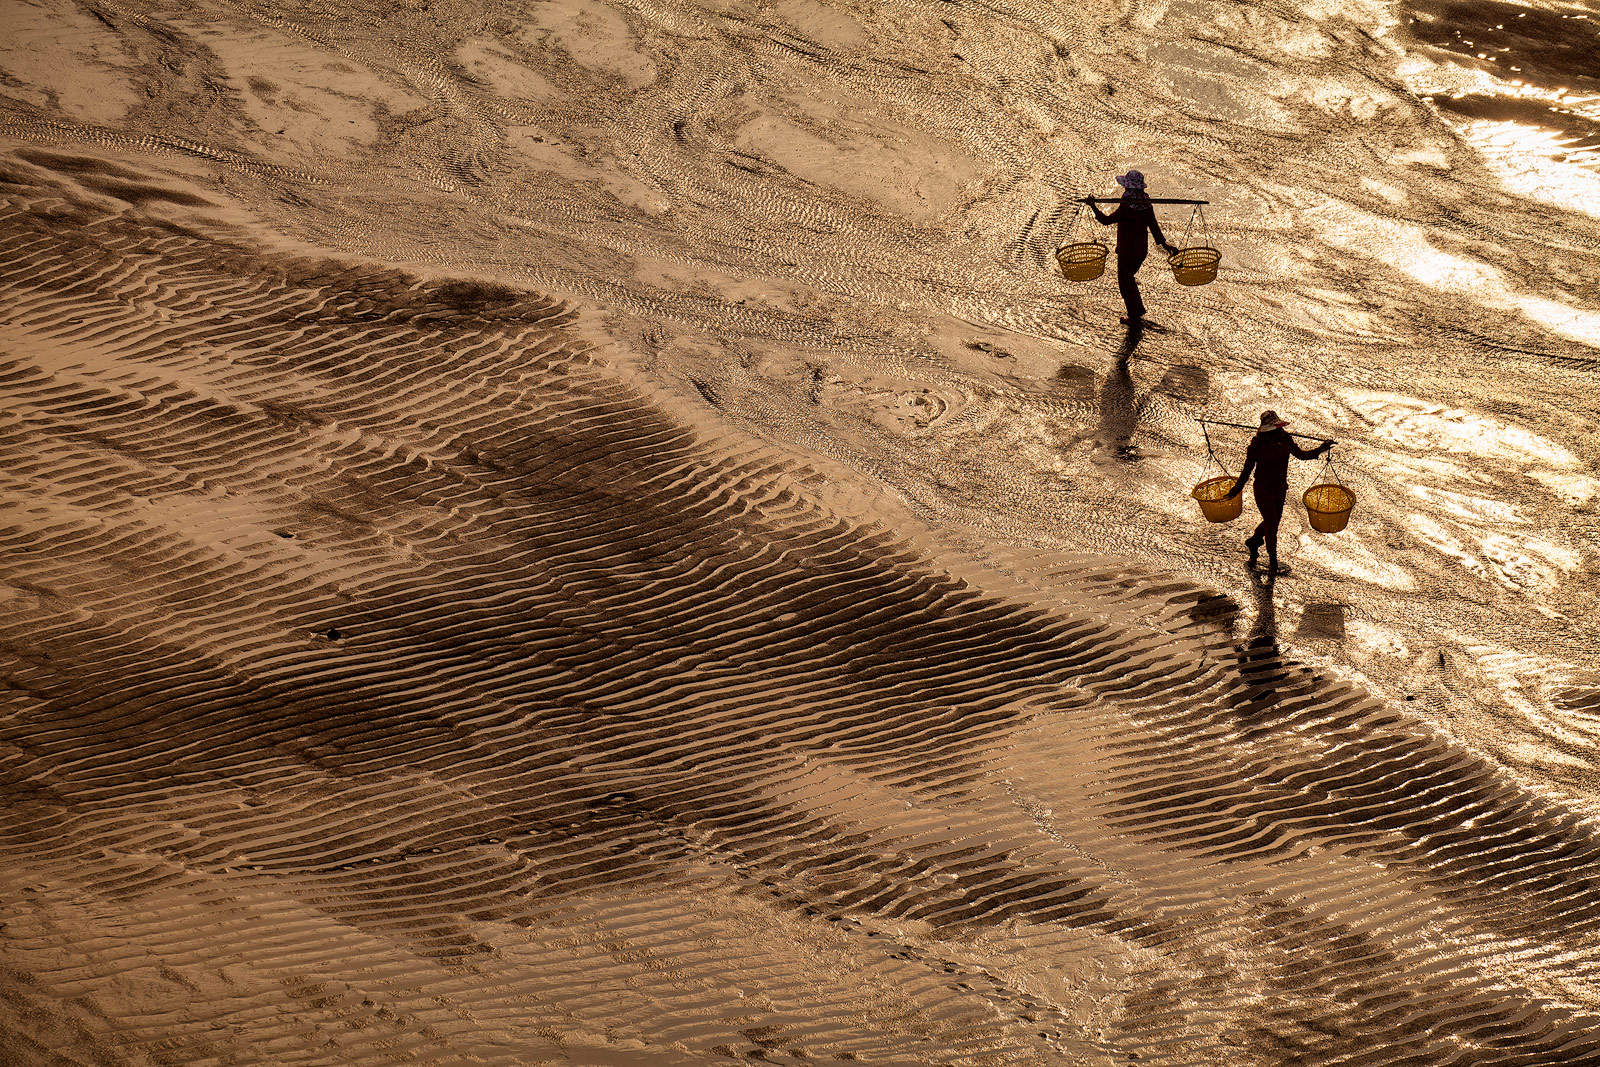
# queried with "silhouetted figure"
point(1268, 457)
point(1135, 218)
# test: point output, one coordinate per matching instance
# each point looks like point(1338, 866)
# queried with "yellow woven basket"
point(1195, 266)
point(1217, 506)
point(1328, 506)
point(1083, 261)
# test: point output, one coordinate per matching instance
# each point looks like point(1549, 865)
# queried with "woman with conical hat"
point(1268, 457)
point(1136, 221)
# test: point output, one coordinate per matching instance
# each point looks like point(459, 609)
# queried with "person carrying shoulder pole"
point(1135, 217)
point(1268, 457)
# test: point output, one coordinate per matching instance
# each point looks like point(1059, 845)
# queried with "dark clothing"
point(1127, 267)
point(1135, 220)
point(1269, 501)
point(1268, 457)
point(1135, 217)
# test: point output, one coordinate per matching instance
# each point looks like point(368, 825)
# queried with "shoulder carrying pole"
point(1243, 426)
point(1147, 200)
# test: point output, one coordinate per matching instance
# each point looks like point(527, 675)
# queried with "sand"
point(579, 533)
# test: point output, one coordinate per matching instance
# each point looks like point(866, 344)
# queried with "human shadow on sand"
point(1268, 676)
point(1122, 409)
point(1119, 405)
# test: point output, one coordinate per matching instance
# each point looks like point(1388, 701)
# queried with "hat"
point(1269, 420)
point(1131, 180)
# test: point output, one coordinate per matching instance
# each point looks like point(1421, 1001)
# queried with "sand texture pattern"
point(737, 612)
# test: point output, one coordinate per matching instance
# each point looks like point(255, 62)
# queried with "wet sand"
point(473, 594)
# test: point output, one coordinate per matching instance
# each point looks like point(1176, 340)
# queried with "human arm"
point(1244, 475)
point(1309, 453)
point(1104, 219)
point(1155, 232)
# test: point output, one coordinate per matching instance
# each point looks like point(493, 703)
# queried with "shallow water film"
point(582, 532)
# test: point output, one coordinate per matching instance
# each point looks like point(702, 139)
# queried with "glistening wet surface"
point(589, 533)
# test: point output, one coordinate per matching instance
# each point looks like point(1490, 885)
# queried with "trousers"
point(1269, 501)
point(1128, 264)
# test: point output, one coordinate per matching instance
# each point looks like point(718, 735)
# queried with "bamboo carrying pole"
point(1244, 426)
point(1147, 200)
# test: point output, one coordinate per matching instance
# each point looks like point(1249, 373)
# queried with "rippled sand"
point(581, 533)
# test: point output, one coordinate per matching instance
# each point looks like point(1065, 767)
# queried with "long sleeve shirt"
point(1268, 458)
point(1134, 217)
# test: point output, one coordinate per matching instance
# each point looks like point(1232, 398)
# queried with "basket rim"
point(1095, 249)
point(1214, 257)
point(1210, 481)
point(1350, 496)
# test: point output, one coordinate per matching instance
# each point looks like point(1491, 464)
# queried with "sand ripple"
point(388, 679)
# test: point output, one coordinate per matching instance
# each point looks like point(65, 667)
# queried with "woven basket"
point(1217, 506)
point(1328, 506)
point(1082, 262)
point(1195, 266)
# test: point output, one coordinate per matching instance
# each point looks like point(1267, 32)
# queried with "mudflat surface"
point(593, 533)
